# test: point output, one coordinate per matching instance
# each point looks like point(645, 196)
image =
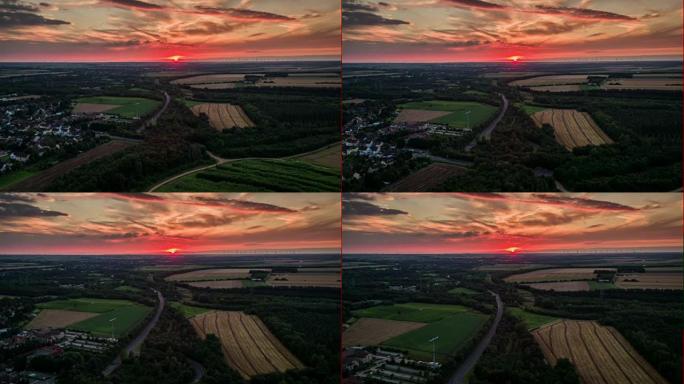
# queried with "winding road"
point(153, 120)
point(486, 134)
point(134, 345)
point(470, 361)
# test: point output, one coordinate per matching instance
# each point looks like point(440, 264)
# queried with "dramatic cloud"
point(151, 223)
point(17, 6)
point(355, 19)
point(244, 14)
point(134, 4)
point(446, 30)
point(474, 223)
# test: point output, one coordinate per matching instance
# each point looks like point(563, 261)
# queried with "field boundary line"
point(239, 347)
point(628, 348)
point(592, 329)
point(591, 355)
point(258, 346)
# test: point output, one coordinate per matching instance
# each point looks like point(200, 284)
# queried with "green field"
point(530, 109)
point(596, 286)
point(188, 310)
point(259, 176)
point(191, 103)
point(480, 113)
point(128, 315)
point(128, 288)
point(454, 324)
point(531, 320)
point(463, 291)
point(13, 177)
point(130, 107)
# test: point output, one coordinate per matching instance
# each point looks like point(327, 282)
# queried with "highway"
point(134, 345)
point(472, 359)
point(486, 134)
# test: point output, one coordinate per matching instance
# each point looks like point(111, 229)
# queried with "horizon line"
point(552, 61)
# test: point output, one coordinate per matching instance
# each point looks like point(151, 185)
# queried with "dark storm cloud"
point(20, 210)
point(21, 19)
point(360, 18)
point(244, 14)
point(13, 197)
point(355, 5)
point(363, 208)
point(134, 4)
point(474, 4)
point(16, 6)
point(583, 13)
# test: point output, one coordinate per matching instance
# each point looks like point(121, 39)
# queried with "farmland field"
point(57, 318)
point(42, 180)
point(304, 279)
point(214, 274)
point(128, 315)
point(463, 291)
point(369, 331)
point(208, 79)
point(126, 107)
point(217, 284)
point(426, 178)
point(572, 128)
point(260, 176)
point(248, 346)
point(550, 80)
point(600, 354)
point(223, 116)
point(574, 83)
point(454, 324)
point(562, 286)
point(531, 320)
point(330, 156)
point(188, 310)
point(451, 113)
point(554, 274)
point(653, 280)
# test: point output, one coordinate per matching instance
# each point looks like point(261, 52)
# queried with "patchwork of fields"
point(572, 128)
point(600, 354)
point(455, 325)
point(576, 83)
point(126, 107)
point(91, 315)
point(260, 176)
point(249, 347)
point(223, 116)
point(584, 279)
point(455, 114)
point(226, 278)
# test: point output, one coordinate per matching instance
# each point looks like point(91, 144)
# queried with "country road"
point(470, 361)
point(487, 132)
point(153, 120)
point(135, 344)
point(220, 160)
point(198, 369)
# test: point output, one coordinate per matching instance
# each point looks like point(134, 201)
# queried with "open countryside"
point(249, 346)
point(600, 354)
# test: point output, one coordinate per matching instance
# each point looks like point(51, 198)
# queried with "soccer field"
point(458, 118)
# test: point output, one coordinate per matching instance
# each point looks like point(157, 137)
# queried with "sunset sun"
point(512, 249)
point(515, 59)
point(172, 251)
point(175, 58)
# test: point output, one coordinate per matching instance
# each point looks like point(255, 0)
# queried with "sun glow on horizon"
point(172, 251)
point(515, 59)
point(175, 58)
point(513, 249)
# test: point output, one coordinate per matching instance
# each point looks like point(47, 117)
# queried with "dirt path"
point(220, 160)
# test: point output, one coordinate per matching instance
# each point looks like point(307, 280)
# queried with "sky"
point(497, 30)
point(457, 223)
point(153, 30)
point(100, 224)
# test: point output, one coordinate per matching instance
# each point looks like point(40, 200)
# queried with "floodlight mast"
point(467, 114)
point(111, 321)
point(433, 341)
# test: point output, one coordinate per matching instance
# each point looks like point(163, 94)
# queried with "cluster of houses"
point(30, 130)
point(363, 364)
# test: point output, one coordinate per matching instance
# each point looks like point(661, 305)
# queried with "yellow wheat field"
point(600, 354)
point(249, 347)
point(223, 116)
point(572, 128)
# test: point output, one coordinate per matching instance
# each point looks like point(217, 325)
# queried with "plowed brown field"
point(572, 128)
point(223, 116)
point(600, 354)
point(249, 347)
point(425, 179)
point(369, 331)
point(57, 318)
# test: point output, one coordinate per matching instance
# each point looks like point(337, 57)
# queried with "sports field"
point(260, 176)
point(126, 107)
point(454, 112)
point(455, 325)
point(127, 315)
